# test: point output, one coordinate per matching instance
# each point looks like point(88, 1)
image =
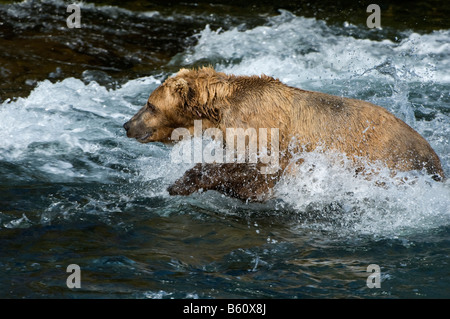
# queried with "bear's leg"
point(243, 181)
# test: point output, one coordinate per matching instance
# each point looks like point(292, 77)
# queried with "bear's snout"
point(130, 129)
point(138, 131)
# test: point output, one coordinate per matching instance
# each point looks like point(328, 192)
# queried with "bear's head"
point(189, 95)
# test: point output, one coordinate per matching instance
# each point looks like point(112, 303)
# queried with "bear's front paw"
point(180, 188)
point(193, 180)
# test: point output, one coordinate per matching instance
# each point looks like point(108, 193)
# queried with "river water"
point(75, 190)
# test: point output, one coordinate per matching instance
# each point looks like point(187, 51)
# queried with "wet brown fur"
point(359, 129)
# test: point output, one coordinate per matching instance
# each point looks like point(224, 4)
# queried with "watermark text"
point(74, 280)
point(374, 279)
point(374, 20)
point(241, 146)
point(74, 20)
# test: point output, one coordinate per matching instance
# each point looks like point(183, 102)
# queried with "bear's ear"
point(183, 71)
point(181, 86)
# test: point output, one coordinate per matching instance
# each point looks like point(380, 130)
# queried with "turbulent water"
point(75, 190)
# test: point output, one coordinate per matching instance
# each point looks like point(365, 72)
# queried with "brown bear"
point(360, 130)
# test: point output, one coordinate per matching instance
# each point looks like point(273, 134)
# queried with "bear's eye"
point(150, 107)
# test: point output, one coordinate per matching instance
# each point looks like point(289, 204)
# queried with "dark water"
point(75, 190)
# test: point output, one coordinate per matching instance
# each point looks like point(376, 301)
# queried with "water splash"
point(330, 197)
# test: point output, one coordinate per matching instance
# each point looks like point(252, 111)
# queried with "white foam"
point(349, 204)
point(302, 50)
point(62, 124)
